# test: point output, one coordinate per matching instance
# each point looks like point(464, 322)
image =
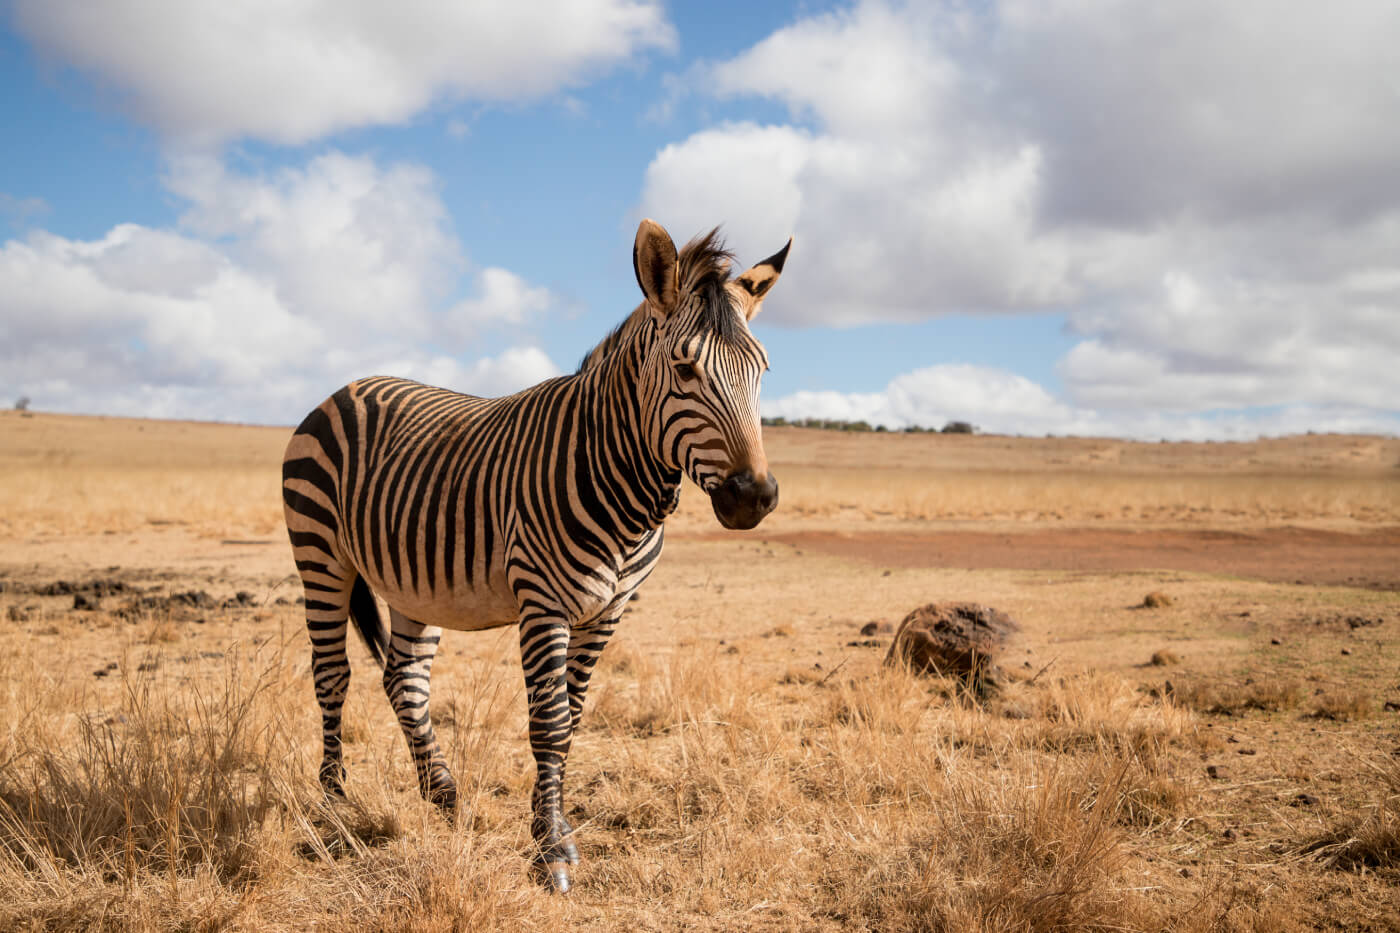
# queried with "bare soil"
point(1305, 556)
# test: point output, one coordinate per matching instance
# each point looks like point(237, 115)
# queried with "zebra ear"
point(657, 267)
point(754, 284)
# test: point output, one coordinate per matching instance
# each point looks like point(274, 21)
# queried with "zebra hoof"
point(444, 797)
point(332, 777)
point(555, 876)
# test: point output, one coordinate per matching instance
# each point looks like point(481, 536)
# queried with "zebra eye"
point(685, 371)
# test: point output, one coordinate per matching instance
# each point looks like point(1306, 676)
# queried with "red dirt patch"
point(1290, 555)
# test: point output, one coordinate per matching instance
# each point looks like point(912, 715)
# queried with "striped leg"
point(327, 588)
point(586, 645)
point(407, 668)
point(544, 654)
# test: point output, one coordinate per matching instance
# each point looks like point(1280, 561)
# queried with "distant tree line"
point(837, 424)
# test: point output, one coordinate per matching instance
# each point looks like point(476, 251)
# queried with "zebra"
point(543, 509)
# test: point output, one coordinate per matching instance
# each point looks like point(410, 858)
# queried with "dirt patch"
point(1284, 555)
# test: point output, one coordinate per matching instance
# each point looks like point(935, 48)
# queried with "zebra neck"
point(628, 475)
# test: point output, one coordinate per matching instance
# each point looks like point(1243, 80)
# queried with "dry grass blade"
point(1370, 838)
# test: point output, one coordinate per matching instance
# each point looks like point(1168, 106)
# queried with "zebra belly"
point(465, 609)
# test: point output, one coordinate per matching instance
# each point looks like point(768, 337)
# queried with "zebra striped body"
point(542, 509)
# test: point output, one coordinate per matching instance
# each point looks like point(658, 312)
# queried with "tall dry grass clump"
point(1368, 838)
point(169, 785)
point(159, 785)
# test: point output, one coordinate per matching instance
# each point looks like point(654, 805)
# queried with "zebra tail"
point(365, 611)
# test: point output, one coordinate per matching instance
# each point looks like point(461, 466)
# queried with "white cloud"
point(1001, 402)
point(510, 371)
point(204, 72)
point(344, 239)
point(1207, 190)
point(503, 298)
point(993, 399)
point(273, 291)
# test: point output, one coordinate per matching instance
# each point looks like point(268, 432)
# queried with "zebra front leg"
point(544, 654)
point(407, 670)
point(586, 645)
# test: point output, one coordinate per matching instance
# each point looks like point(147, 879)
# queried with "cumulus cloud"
point(204, 72)
point(1207, 192)
point(993, 399)
point(272, 291)
point(1001, 402)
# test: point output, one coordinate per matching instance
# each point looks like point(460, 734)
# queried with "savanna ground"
point(746, 761)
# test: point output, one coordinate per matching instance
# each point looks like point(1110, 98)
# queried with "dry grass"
point(722, 779)
point(1369, 839)
point(1343, 704)
point(1271, 695)
point(700, 790)
point(1032, 495)
point(80, 474)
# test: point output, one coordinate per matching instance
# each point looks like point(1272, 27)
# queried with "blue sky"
point(1075, 216)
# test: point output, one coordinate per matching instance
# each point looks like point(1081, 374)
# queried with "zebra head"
point(704, 368)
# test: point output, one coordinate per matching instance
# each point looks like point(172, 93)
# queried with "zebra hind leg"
point(407, 669)
point(328, 588)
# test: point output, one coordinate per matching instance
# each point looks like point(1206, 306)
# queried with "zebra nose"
point(742, 501)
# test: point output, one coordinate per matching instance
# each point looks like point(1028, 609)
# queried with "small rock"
point(1304, 800)
point(85, 603)
point(960, 640)
point(1217, 772)
point(1346, 651)
point(1228, 834)
point(885, 574)
point(1392, 707)
point(1245, 751)
point(870, 628)
point(1186, 873)
point(1275, 641)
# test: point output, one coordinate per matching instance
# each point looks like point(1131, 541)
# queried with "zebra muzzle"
point(742, 501)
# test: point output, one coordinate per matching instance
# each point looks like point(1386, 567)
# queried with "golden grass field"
point(742, 764)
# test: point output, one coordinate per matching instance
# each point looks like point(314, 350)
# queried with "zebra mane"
point(704, 269)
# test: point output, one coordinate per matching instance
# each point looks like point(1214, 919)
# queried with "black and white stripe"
point(542, 509)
